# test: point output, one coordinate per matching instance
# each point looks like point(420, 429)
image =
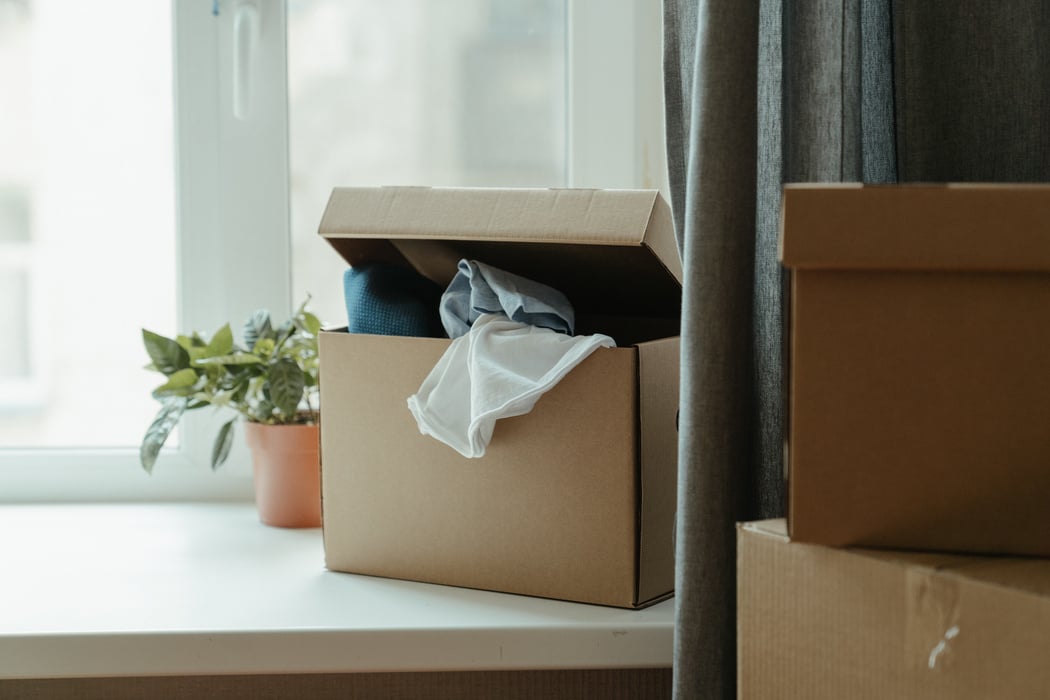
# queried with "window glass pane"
point(86, 136)
point(14, 311)
point(14, 214)
point(416, 92)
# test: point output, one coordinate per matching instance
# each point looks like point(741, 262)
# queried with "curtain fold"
point(770, 91)
point(972, 90)
point(775, 93)
point(711, 69)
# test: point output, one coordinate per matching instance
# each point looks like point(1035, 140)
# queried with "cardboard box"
point(919, 363)
point(817, 622)
point(574, 500)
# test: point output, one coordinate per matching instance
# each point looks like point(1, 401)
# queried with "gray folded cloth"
point(481, 289)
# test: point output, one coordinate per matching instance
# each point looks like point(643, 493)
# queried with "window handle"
point(245, 43)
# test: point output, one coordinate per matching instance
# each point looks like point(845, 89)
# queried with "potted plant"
point(271, 383)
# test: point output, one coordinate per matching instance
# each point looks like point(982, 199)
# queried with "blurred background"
point(401, 92)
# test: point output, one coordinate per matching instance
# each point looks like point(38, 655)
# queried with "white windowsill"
point(178, 589)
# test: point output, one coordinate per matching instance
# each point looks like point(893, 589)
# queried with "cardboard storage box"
point(574, 500)
point(818, 622)
point(919, 363)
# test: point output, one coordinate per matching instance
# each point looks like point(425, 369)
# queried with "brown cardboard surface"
point(609, 251)
point(919, 399)
point(817, 622)
point(658, 402)
point(553, 520)
point(574, 500)
point(917, 227)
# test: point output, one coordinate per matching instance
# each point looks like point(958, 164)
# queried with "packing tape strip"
point(932, 623)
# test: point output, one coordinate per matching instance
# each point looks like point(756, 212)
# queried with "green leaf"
point(222, 398)
point(246, 389)
point(158, 431)
point(264, 347)
point(309, 323)
point(286, 385)
point(223, 441)
point(240, 358)
point(167, 355)
point(190, 341)
point(256, 327)
point(221, 343)
point(262, 412)
point(180, 383)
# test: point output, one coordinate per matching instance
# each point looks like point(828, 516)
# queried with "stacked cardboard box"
point(919, 424)
point(821, 622)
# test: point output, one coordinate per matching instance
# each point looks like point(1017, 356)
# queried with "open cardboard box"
point(818, 622)
point(574, 500)
point(919, 363)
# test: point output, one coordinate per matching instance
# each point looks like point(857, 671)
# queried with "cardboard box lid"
point(609, 251)
point(975, 227)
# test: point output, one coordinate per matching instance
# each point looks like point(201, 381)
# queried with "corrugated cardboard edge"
point(323, 341)
point(790, 395)
point(660, 237)
point(658, 368)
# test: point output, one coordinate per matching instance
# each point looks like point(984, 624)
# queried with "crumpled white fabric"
point(499, 369)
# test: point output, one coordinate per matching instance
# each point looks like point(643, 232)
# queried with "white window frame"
point(233, 252)
point(29, 390)
point(232, 255)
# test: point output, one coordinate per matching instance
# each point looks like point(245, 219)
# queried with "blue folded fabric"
point(385, 299)
point(482, 289)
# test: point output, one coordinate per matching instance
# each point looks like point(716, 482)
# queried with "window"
point(20, 375)
point(413, 92)
point(20, 372)
point(88, 172)
point(534, 93)
point(86, 163)
point(274, 103)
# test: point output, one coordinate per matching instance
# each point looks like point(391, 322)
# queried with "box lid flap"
point(609, 251)
point(977, 227)
point(1029, 575)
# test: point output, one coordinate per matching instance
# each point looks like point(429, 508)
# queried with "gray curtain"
point(763, 92)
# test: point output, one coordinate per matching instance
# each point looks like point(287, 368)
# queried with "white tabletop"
point(162, 589)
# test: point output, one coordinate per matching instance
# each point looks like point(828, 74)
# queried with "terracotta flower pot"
point(286, 465)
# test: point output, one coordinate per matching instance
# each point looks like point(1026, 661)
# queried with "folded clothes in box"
point(386, 299)
point(512, 341)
